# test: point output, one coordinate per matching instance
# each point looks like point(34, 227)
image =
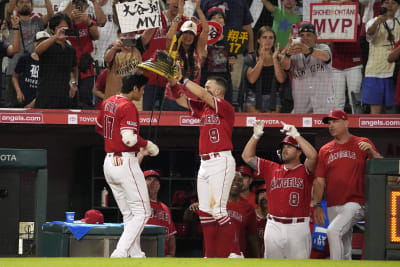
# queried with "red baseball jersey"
point(216, 124)
point(118, 113)
point(251, 199)
point(244, 217)
point(161, 215)
point(288, 190)
point(261, 223)
point(343, 167)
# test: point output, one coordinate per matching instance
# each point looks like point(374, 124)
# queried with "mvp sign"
point(335, 23)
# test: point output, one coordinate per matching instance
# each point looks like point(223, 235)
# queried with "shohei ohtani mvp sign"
point(334, 22)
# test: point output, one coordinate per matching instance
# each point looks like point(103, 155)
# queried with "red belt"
point(286, 221)
point(208, 156)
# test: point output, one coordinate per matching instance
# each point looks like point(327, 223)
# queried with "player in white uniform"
point(310, 65)
point(118, 123)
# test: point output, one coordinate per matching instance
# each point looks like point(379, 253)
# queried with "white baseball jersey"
point(312, 86)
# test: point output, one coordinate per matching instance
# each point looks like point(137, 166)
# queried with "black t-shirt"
point(3, 52)
point(55, 65)
point(28, 70)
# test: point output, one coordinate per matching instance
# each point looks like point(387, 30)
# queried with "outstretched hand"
point(258, 128)
point(289, 130)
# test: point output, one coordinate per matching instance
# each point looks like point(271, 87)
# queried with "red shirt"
point(216, 124)
point(118, 113)
point(244, 217)
point(251, 199)
point(101, 86)
point(346, 55)
point(85, 47)
point(343, 167)
point(398, 79)
point(261, 223)
point(288, 190)
point(158, 42)
point(161, 215)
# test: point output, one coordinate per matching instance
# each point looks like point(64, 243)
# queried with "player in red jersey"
point(217, 168)
point(118, 123)
point(246, 193)
point(160, 213)
point(261, 216)
point(341, 169)
point(287, 233)
point(244, 217)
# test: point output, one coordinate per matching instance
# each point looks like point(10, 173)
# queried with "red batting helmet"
point(287, 140)
point(245, 170)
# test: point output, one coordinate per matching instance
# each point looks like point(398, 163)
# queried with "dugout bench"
point(99, 241)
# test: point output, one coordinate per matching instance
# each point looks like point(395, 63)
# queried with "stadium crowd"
point(83, 55)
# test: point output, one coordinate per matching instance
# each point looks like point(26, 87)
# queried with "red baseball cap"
point(261, 187)
point(93, 217)
point(152, 173)
point(335, 114)
point(291, 141)
point(245, 170)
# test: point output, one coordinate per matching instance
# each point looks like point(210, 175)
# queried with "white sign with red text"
point(335, 22)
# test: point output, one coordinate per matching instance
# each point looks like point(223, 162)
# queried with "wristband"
point(177, 19)
point(317, 205)
point(185, 82)
point(287, 55)
point(15, 29)
point(311, 50)
point(256, 136)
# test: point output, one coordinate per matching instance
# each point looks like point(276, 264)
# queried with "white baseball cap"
point(189, 26)
point(41, 35)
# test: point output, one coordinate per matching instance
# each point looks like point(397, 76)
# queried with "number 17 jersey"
point(216, 125)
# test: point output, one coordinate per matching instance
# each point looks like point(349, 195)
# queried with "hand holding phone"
point(129, 42)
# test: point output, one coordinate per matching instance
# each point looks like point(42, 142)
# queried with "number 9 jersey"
point(216, 125)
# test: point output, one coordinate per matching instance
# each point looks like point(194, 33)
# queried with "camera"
point(79, 4)
point(71, 32)
point(296, 40)
point(383, 10)
point(129, 42)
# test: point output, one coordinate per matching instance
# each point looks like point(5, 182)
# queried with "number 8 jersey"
point(216, 125)
point(288, 190)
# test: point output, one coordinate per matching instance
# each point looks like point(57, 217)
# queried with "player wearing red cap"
point(160, 213)
point(118, 123)
point(287, 233)
point(217, 168)
point(341, 169)
point(246, 193)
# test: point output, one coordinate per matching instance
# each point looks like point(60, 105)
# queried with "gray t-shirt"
point(29, 29)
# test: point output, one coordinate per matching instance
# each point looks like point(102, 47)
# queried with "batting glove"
point(289, 130)
point(258, 128)
point(152, 149)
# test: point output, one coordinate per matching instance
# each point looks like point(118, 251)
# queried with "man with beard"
point(29, 26)
point(288, 187)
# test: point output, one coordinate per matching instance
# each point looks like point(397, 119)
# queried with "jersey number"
point(214, 135)
point(108, 126)
point(294, 199)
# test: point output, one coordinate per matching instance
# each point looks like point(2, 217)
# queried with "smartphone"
point(71, 32)
point(129, 42)
point(383, 10)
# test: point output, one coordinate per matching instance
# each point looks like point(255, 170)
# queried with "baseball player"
point(118, 123)
point(217, 168)
point(261, 216)
point(244, 217)
point(160, 213)
point(247, 174)
point(341, 168)
point(310, 66)
point(287, 233)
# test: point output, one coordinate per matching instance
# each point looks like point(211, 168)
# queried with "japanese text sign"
point(138, 15)
point(237, 41)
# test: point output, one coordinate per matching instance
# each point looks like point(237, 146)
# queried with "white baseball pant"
point(352, 77)
point(340, 230)
point(287, 241)
point(214, 182)
point(130, 192)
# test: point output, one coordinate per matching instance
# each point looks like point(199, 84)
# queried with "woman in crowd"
point(262, 74)
point(190, 52)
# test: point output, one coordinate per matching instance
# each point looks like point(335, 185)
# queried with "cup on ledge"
point(70, 215)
